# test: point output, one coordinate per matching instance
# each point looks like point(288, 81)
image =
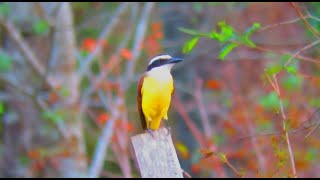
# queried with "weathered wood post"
point(156, 156)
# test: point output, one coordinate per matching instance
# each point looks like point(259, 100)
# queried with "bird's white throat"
point(161, 73)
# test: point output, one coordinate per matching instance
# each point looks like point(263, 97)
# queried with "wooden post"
point(157, 157)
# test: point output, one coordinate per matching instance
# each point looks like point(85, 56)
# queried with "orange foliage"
point(302, 164)
point(34, 154)
point(127, 125)
point(109, 86)
point(126, 54)
point(103, 118)
point(89, 44)
point(53, 97)
point(151, 43)
point(156, 26)
point(37, 166)
point(213, 84)
point(195, 168)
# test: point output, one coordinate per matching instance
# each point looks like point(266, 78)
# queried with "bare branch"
point(11, 82)
point(140, 33)
point(103, 141)
point(308, 25)
point(303, 58)
point(285, 130)
point(281, 23)
point(104, 34)
point(23, 46)
point(302, 49)
point(177, 104)
point(41, 11)
point(202, 109)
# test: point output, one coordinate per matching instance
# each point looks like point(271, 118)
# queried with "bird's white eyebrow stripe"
point(160, 57)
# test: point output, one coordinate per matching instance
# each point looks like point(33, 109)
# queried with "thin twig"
point(285, 130)
point(313, 129)
point(41, 12)
point(177, 104)
point(103, 141)
point(312, 16)
point(309, 26)
point(202, 109)
point(139, 36)
point(104, 35)
point(23, 46)
point(272, 84)
point(234, 169)
point(17, 86)
point(302, 49)
point(259, 135)
point(281, 23)
point(264, 49)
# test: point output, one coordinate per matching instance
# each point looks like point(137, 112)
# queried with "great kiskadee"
point(155, 89)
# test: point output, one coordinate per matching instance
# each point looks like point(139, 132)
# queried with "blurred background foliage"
point(246, 95)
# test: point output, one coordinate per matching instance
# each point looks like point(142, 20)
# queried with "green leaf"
point(41, 27)
point(284, 58)
point(198, 6)
point(222, 157)
point(4, 9)
point(218, 139)
point(245, 38)
point(281, 163)
point(193, 32)
point(226, 32)
point(315, 102)
point(312, 154)
point(227, 49)
point(270, 101)
point(274, 69)
point(292, 82)
point(255, 26)
point(189, 45)
point(287, 125)
point(248, 42)
point(52, 116)
point(5, 62)
point(265, 126)
point(64, 92)
point(291, 69)
point(1, 108)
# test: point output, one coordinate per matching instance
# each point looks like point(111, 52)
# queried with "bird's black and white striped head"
point(162, 61)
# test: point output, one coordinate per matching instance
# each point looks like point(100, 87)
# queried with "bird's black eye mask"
point(157, 63)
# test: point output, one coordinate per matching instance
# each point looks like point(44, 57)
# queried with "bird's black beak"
point(174, 60)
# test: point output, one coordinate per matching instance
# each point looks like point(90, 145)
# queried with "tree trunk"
point(64, 76)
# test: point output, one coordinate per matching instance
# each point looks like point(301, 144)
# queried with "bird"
point(155, 90)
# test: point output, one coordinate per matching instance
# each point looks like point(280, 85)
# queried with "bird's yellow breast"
point(156, 98)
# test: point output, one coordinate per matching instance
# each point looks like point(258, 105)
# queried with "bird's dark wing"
point(139, 101)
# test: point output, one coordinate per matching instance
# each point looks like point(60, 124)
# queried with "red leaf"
point(103, 118)
point(195, 168)
point(129, 127)
point(126, 54)
point(156, 26)
point(33, 154)
point(213, 84)
point(89, 44)
point(158, 35)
